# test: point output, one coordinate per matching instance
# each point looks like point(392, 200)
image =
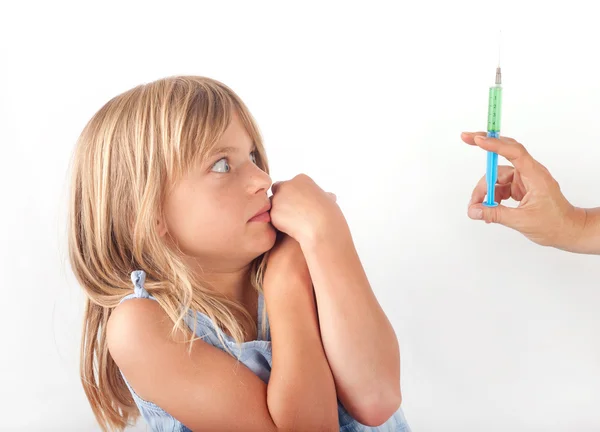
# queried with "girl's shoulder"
point(132, 320)
point(136, 323)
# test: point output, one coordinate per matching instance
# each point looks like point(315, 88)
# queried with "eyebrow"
point(219, 150)
point(227, 149)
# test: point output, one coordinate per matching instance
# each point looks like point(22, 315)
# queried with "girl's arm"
point(208, 389)
point(359, 340)
point(301, 387)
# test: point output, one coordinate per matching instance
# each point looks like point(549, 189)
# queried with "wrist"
point(590, 238)
point(583, 231)
point(323, 245)
point(323, 230)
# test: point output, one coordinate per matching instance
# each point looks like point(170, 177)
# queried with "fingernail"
point(475, 213)
point(479, 137)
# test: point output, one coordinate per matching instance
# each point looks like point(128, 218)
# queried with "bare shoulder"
point(135, 329)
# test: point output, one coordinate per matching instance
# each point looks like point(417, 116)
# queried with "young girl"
point(211, 306)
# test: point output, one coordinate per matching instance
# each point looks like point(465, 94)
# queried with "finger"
point(500, 214)
point(469, 137)
point(518, 190)
point(332, 196)
point(503, 192)
point(510, 149)
point(275, 186)
point(505, 176)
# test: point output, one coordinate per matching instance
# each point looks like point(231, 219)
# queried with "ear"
point(161, 226)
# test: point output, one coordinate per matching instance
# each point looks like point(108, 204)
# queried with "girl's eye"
point(221, 166)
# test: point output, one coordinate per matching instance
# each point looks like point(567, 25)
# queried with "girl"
point(198, 317)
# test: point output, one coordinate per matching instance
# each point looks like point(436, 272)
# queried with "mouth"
point(262, 215)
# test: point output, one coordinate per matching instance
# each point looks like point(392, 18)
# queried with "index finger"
point(469, 137)
point(506, 147)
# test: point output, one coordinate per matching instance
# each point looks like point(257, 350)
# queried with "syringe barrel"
point(494, 108)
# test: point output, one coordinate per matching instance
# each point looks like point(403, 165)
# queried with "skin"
point(207, 213)
point(315, 360)
point(543, 215)
point(368, 379)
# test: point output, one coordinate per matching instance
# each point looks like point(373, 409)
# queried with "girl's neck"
point(233, 283)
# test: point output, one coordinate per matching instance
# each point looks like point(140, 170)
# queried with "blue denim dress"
point(256, 355)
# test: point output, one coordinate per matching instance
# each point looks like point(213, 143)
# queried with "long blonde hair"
point(128, 155)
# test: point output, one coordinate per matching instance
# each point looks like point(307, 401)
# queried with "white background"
point(496, 333)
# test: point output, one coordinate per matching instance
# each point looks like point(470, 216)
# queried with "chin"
point(265, 240)
point(259, 239)
point(271, 237)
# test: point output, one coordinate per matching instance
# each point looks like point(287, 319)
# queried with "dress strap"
point(138, 277)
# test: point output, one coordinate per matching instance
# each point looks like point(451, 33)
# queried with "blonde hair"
point(128, 155)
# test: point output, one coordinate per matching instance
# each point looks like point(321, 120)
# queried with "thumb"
point(500, 214)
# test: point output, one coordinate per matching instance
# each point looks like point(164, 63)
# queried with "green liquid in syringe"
point(494, 108)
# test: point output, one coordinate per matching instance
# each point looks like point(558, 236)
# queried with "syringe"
point(493, 130)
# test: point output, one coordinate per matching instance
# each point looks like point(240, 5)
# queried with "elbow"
point(376, 409)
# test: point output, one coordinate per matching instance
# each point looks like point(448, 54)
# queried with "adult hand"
point(543, 215)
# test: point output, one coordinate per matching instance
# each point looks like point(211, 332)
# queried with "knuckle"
point(550, 181)
point(545, 171)
point(520, 149)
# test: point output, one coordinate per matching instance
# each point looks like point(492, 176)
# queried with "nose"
point(259, 181)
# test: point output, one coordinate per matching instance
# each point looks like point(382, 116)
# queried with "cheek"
point(206, 226)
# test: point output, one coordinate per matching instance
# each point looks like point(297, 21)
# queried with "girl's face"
point(208, 213)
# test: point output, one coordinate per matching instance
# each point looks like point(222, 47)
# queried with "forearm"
point(360, 342)
point(301, 391)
